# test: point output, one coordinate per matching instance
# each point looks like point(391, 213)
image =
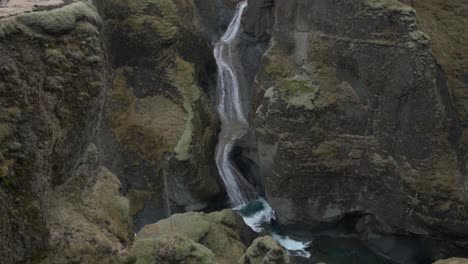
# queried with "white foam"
point(264, 217)
point(260, 218)
point(294, 247)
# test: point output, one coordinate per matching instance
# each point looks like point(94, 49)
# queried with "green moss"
point(167, 27)
point(8, 26)
point(129, 132)
point(6, 131)
point(171, 249)
point(298, 91)
point(183, 78)
point(6, 168)
point(86, 28)
point(63, 19)
point(276, 64)
point(166, 24)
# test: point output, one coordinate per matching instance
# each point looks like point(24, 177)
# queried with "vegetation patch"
point(63, 19)
point(183, 77)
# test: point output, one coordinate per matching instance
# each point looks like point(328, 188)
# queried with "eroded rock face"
point(159, 127)
point(353, 118)
point(51, 78)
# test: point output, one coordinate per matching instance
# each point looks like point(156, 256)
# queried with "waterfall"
point(255, 211)
point(233, 117)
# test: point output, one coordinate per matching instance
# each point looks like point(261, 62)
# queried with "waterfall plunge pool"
point(261, 218)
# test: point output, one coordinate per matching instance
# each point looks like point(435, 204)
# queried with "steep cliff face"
point(353, 118)
point(51, 77)
point(132, 79)
point(159, 129)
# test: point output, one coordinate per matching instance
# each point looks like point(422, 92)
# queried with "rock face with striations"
point(159, 129)
point(357, 113)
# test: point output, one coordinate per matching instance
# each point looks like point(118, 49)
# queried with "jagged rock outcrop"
point(354, 120)
point(158, 119)
point(265, 250)
point(51, 78)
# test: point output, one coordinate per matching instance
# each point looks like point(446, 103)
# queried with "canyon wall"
point(51, 81)
point(106, 125)
point(159, 130)
point(358, 113)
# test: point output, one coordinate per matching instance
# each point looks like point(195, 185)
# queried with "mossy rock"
point(169, 249)
point(265, 250)
point(148, 127)
point(61, 20)
point(217, 231)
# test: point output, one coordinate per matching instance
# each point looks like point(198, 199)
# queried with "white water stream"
point(233, 118)
point(257, 213)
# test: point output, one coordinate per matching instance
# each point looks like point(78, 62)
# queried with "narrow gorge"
point(233, 131)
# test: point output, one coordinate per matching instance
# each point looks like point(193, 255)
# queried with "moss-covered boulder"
point(169, 249)
point(265, 250)
point(219, 231)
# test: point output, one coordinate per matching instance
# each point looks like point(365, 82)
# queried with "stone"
point(169, 249)
point(265, 250)
point(386, 112)
point(218, 231)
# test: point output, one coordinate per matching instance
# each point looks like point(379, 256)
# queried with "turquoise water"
point(261, 218)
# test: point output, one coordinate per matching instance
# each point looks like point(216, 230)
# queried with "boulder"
point(169, 249)
point(218, 231)
point(265, 250)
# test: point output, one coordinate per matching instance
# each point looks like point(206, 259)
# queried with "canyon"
point(225, 131)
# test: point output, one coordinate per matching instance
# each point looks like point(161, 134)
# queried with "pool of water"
point(321, 248)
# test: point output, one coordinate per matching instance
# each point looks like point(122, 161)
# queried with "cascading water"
point(257, 213)
point(232, 115)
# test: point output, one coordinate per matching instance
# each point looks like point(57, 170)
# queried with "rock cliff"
point(106, 125)
point(358, 118)
point(358, 113)
point(52, 73)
